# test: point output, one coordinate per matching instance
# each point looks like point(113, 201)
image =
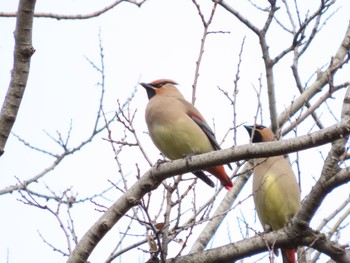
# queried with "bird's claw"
point(160, 161)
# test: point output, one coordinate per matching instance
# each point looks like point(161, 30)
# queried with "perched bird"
point(275, 189)
point(178, 129)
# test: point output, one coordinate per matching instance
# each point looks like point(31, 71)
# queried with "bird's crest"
point(161, 82)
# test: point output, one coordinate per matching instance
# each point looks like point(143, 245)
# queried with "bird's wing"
point(199, 120)
point(205, 128)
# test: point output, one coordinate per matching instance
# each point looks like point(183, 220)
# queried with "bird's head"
point(260, 133)
point(161, 87)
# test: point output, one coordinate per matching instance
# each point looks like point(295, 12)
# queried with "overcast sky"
point(159, 40)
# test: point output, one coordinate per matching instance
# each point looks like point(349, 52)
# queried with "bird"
point(178, 129)
point(276, 192)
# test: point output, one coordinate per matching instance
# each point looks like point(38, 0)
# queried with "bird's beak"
point(248, 127)
point(146, 86)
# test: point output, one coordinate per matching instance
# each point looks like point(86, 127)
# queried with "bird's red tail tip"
point(288, 255)
point(228, 187)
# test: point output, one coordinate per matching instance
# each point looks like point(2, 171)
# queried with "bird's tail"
point(204, 178)
point(288, 255)
point(219, 172)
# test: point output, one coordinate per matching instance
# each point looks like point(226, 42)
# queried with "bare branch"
point(276, 239)
point(206, 25)
point(80, 16)
point(231, 196)
point(322, 80)
point(239, 17)
point(63, 142)
point(311, 109)
point(20, 72)
point(336, 225)
point(268, 62)
point(332, 175)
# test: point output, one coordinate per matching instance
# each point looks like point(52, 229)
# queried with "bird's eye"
point(260, 127)
point(160, 85)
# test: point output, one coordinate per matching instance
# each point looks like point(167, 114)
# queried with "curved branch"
point(239, 17)
point(20, 72)
point(261, 242)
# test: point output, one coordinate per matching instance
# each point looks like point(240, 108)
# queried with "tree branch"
point(322, 79)
point(260, 242)
point(239, 17)
point(220, 213)
point(76, 16)
point(20, 72)
point(206, 25)
point(331, 175)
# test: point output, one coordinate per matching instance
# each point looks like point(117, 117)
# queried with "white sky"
point(159, 40)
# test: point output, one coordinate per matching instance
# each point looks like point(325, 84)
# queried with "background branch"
point(77, 16)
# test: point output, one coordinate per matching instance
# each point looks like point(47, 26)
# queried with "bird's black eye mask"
point(150, 93)
point(151, 89)
point(257, 137)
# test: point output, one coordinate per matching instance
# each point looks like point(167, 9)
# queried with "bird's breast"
point(276, 192)
point(179, 137)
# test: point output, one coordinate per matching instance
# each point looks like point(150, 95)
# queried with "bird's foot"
point(189, 155)
point(160, 161)
point(267, 228)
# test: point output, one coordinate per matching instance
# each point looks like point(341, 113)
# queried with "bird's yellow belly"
point(275, 203)
point(176, 142)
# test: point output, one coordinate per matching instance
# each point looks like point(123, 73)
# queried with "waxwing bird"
point(275, 189)
point(178, 129)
